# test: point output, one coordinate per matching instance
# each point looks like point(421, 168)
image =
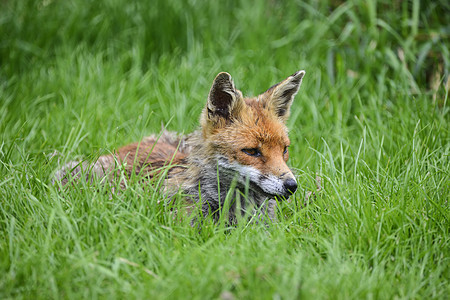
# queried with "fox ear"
point(280, 96)
point(223, 98)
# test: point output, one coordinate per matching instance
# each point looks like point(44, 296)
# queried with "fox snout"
point(290, 185)
point(278, 187)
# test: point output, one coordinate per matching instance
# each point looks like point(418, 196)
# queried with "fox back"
point(239, 154)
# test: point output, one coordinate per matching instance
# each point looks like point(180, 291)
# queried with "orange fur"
point(241, 140)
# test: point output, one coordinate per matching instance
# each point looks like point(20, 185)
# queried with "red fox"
point(242, 144)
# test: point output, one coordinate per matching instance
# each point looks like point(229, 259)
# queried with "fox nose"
point(290, 185)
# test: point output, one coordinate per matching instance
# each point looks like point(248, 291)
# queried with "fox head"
point(248, 137)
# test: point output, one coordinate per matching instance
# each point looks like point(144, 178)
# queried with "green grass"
point(372, 119)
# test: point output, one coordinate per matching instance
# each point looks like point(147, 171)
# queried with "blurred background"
point(360, 36)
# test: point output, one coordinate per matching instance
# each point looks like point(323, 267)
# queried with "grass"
point(372, 119)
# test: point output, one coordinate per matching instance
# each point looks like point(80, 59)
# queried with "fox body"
point(242, 143)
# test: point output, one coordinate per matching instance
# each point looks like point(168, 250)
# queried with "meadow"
point(80, 78)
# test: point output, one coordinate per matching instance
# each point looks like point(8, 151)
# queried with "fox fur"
point(242, 143)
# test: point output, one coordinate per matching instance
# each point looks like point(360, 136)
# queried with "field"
point(80, 78)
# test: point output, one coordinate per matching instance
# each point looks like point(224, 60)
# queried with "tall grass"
point(372, 120)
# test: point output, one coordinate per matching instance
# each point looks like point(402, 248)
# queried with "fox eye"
point(252, 152)
point(285, 149)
